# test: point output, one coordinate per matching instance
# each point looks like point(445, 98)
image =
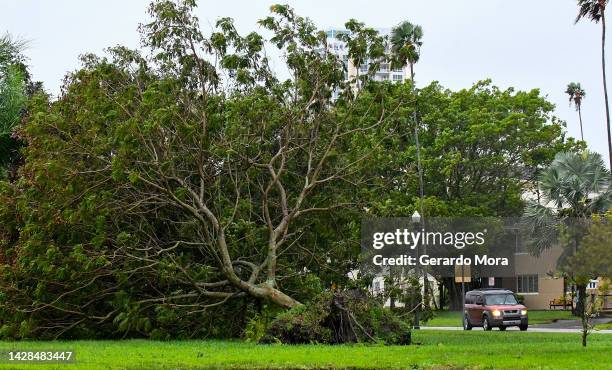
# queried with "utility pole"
point(417, 220)
point(415, 118)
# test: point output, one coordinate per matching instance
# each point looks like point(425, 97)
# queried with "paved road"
point(559, 326)
point(572, 324)
point(532, 329)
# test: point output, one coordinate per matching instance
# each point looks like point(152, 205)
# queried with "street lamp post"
point(416, 220)
point(463, 296)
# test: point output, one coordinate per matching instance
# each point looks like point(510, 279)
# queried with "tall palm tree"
point(574, 187)
point(576, 94)
point(406, 42)
point(595, 10)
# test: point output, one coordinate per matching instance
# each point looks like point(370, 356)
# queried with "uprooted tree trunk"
point(345, 326)
point(343, 317)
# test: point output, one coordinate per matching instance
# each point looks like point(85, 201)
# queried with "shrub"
point(258, 322)
point(302, 324)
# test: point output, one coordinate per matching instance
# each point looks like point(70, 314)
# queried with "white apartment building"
point(384, 73)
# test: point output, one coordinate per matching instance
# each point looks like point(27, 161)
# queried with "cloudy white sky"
point(522, 43)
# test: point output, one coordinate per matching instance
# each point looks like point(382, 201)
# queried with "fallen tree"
point(173, 183)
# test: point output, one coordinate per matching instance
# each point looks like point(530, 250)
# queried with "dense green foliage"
point(594, 259)
point(152, 195)
point(482, 147)
point(174, 195)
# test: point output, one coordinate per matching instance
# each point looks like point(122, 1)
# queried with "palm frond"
point(552, 185)
point(600, 203)
point(590, 9)
point(11, 50)
point(576, 93)
point(540, 224)
point(406, 41)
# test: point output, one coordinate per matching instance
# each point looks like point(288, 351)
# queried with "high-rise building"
point(384, 72)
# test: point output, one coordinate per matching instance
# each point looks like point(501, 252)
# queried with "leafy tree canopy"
point(166, 194)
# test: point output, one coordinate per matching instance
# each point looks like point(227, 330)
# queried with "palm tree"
point(574, 187)
point(595, 10)
point(406, 42)
point(576, 94)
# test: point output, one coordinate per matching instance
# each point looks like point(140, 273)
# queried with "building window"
point(397, 77)
point(363, 68)
point(527, 284)
point(384, 67)
point(592, 284)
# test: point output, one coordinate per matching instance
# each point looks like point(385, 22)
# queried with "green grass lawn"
point(453, 318)
point(432, 349)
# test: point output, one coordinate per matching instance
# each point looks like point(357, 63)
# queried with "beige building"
point(535, 279)
point(541, 288)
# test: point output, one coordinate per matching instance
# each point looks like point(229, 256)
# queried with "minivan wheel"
point(466, 323)
point(523, 327)
point(486, 325)
point(502, 328)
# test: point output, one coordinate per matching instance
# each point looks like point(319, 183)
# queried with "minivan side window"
point(468, 299)
point(479, 300)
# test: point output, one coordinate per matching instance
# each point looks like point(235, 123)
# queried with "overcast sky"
point(522, 43)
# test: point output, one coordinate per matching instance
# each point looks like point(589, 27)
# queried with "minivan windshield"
point(500, 299)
